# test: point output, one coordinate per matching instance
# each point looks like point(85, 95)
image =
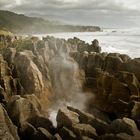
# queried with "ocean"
point(124, 41)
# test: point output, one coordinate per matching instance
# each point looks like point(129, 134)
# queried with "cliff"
point(56, 89)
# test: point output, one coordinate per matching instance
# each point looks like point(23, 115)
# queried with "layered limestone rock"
point(7, 129)
point(21, 109)
point(67, 118)
point(9, 85)
point(94, 47)
point(110, 89)
point(133, 66)
point(54, 73)
point(93, 128)
point(31, 73)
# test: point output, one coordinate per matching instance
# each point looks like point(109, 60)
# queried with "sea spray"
point(67, 80)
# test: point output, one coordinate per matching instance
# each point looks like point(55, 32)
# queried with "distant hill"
point(19, 23)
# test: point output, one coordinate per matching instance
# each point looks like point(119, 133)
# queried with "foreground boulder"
point(21, 109)
point(124, 125)
point(71, 127)
point(27, 131)
point(7, 129)
point(86, 118)
point(43, 122)
point(65, 133)
point(84, 130)
point(43, 134)
point(135, 112)
point(57, 137)
point(67, 118)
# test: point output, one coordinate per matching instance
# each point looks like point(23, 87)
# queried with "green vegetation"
point(23, 44)
point(2, 46)
point(4, 31)
point(20, 44)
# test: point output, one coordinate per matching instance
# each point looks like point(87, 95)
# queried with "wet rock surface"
point(90, 95)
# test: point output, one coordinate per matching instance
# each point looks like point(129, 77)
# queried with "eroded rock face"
point(94, 128)
point(71, 127)
point(94, 61)
point(67, 118)
point(20, 109)
point(9, 85)
point(124, 125)
point(55, 70)
point(57, 137)
point(65, 133)
point(27, 131)
point(86, 118)
point(43, 122)
point(7, 129)
point(94, 47)
point(9, 55)
point(110, 88)
point(112, 64)
point(84, 130)
point(133, 66)
point(29, 73)
point(135, 113)
point(43, 134)
point(131, 80)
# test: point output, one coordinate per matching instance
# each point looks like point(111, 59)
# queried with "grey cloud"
point(99, 12)
point(6, 3)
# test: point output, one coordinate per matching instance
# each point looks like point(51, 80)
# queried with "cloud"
point(100, 12)
point(6, 3)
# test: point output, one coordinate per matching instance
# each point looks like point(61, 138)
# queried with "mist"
point(66, 77)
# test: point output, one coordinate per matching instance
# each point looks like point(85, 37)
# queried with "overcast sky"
point(105, 13)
